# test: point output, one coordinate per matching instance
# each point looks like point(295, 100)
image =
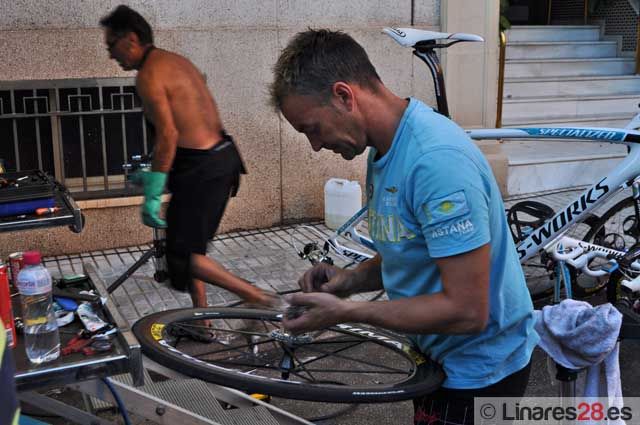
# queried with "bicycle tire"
point(422, 375)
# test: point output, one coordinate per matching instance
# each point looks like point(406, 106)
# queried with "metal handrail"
point(638, 46)
point(586, 12)
point(503, 48)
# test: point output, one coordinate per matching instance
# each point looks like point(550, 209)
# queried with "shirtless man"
point(191, 148)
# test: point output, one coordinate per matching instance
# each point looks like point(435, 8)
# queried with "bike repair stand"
point(156, 252)
point(567, 378)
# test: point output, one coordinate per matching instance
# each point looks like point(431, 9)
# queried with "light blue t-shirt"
point(433, 195)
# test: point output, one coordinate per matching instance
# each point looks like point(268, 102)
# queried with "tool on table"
point(89, 343)
point(90, 319)
point(74, 295)
point(49, 210)
point(72, 280)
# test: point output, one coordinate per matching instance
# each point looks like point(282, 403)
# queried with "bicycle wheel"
point(540, 273)
point(618, 229)
point(252, 354)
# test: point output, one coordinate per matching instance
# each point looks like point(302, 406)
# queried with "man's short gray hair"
point(314, 60)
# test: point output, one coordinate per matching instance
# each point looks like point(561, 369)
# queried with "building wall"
point(235, 43)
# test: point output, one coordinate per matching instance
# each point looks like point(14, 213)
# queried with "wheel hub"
point(290, 339)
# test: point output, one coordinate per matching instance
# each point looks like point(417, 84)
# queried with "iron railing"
point(503, 49)
point(80, 131)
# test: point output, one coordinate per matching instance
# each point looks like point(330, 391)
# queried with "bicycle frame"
point(619, 178)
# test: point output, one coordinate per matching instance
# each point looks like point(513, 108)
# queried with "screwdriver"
point(50, 210)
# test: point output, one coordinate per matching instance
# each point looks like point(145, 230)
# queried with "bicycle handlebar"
point(579, 255)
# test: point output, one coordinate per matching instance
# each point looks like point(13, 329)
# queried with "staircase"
point(565, 76)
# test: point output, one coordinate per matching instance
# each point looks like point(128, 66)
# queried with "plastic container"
point(41, 338)
point(342, 199)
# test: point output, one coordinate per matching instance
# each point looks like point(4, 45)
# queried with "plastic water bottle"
point(41, 338)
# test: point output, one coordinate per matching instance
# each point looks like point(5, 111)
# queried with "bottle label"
point(34, 282)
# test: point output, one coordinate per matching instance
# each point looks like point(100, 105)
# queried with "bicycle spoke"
point(354, 372)
point(236, 331)
point(234, 348)
point(336, 341)
point(301, 364)
point(343, 357)
point(248, 365)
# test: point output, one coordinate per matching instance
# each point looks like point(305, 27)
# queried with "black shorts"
point(201, 183)
point(451, 406)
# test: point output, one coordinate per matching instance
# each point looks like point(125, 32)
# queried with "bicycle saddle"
point(409, 37)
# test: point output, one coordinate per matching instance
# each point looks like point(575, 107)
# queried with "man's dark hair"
point(314, 60)
point(124, 19)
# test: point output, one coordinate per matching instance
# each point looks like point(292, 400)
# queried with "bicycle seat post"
point(426, 53)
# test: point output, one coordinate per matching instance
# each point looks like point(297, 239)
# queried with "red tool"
point(88, 343)
point(43, 211)
point(77, 343)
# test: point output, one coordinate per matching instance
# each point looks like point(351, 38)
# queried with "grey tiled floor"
point(265, 257)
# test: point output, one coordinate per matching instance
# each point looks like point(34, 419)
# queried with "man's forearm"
point(164, 152)
point(369, 276)
point(423, 314)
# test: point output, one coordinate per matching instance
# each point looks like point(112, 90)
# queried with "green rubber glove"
point(153, 184)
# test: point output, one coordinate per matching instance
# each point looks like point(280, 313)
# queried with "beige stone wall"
point(235, 43)
point(471, 73)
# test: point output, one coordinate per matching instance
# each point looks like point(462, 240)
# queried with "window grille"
point(80, 131)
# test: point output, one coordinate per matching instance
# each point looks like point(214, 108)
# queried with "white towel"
point(577, 335)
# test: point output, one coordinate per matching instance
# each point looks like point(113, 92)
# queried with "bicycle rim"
point(618, 229)
point(341, 364)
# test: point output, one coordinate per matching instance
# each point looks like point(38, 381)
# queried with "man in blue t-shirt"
point(445, 253)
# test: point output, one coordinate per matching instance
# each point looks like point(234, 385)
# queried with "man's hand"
point(153, 184)
point(320, 311)
point(327, 278)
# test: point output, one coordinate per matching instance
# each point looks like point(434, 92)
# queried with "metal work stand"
point(567, 378)
point(156, 252)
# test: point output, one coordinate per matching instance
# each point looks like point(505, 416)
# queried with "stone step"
point(520, 68)
point(618, 120)
point(536, 165)
point(571, 86)
point(553, 33)
point(541, 107)
point(561, 49)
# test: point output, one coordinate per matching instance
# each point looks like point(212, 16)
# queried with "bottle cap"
point(31, 258)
